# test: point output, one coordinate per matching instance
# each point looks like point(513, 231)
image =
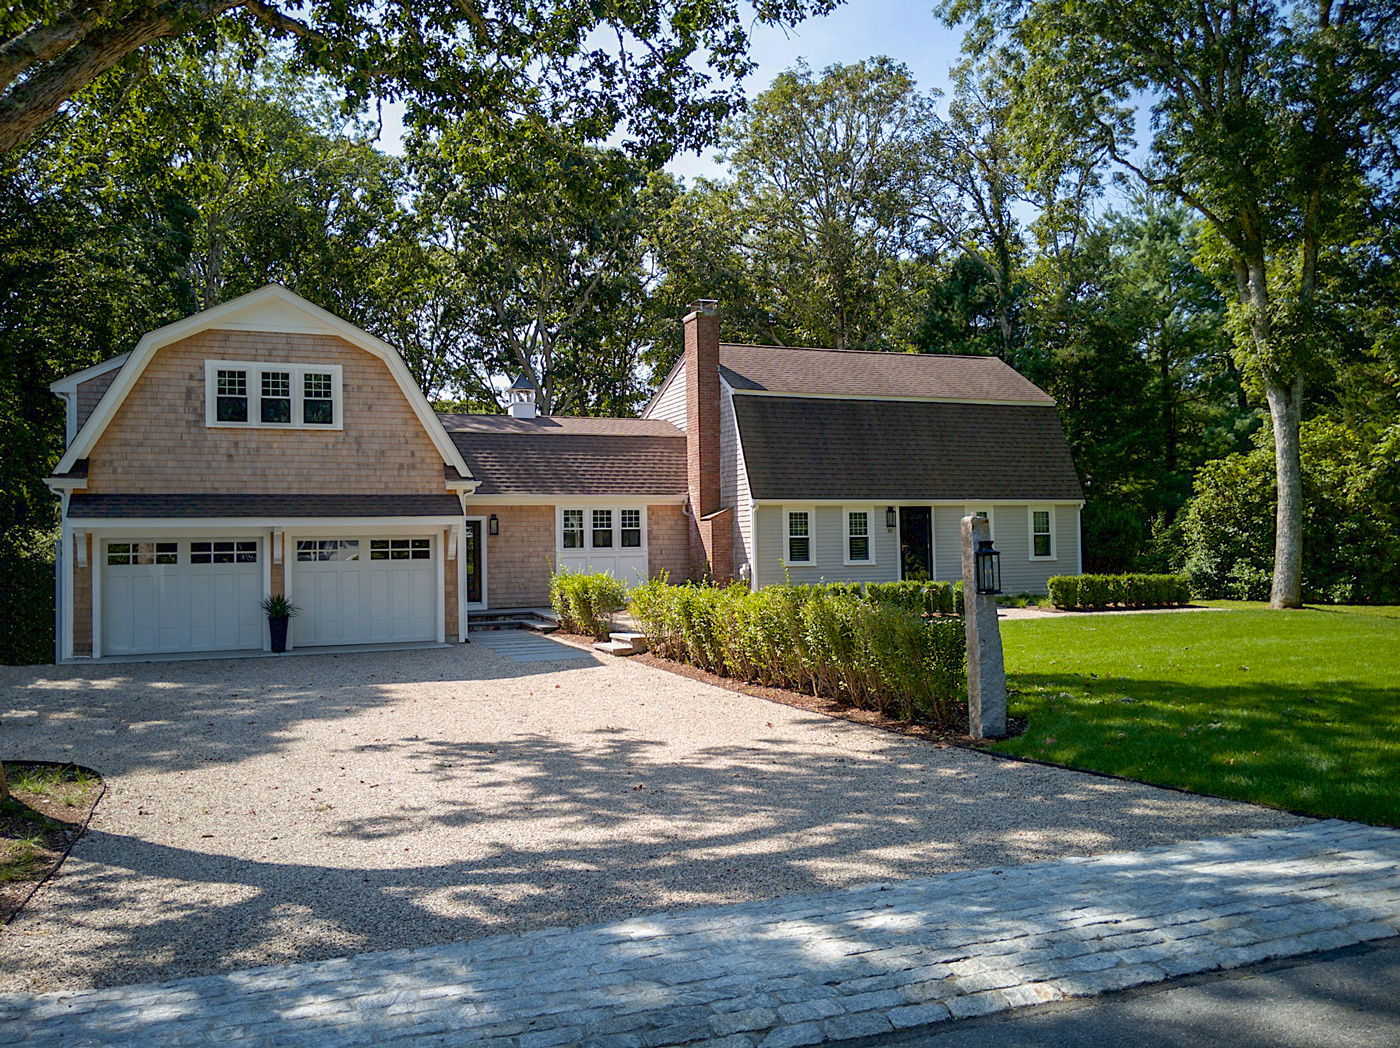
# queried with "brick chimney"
point(712, 528)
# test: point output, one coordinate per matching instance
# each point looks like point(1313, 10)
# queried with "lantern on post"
point(988, 568)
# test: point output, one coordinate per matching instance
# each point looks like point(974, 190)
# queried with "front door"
point(916, 543)
point(473, 562)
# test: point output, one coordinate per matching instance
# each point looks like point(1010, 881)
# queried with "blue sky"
point(905, 30)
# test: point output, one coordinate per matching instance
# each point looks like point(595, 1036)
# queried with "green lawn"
point(1296, 709)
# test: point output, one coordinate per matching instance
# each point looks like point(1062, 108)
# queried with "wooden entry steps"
point(623, 643)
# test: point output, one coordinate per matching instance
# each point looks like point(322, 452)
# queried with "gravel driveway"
point(275, 810)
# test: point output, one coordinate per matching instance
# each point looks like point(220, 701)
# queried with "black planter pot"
point(278, 628)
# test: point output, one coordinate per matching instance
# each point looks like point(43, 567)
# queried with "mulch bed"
point(951, 735)
point(38, 826)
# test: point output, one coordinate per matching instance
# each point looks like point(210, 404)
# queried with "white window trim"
point(869, 512)
point(972, 511)
point(811, 536)
point(616, 549)
point(1030, 532)
point(254, 368)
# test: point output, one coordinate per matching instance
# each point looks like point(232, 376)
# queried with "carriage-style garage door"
point(180, 595)
point(364, 591)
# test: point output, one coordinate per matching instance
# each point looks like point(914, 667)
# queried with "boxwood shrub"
point(586, 603)
point(1089, 592)
point(872, 647)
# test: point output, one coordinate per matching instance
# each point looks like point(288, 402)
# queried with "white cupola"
point(520, 397)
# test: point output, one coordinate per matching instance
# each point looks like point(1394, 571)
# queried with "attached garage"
point(177, 595)
point(364, 590)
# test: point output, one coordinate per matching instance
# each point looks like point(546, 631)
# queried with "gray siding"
point(91, 392)
point(1011, 527)
point(828, 548)
point(670, 405)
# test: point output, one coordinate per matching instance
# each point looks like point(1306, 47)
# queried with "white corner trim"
point(319, 321)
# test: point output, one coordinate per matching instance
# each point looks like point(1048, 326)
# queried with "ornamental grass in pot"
point(279, 611)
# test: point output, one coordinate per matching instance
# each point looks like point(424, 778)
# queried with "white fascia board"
point(896, 400)
point(223, 316)
point(70, 383)
point(575, 501)
point(182, 525)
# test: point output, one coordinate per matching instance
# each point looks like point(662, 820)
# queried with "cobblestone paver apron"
point(795, 970)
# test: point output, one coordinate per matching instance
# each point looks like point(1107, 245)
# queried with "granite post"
point(986, 670)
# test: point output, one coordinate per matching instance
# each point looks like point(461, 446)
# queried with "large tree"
point(829, 172)
point(1275, 122)
point(663, 72)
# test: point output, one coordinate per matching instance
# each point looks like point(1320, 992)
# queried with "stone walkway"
point(791, 971)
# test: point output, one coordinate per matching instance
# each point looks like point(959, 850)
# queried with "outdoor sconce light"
point(988, 568)
point(493, 525)
point(889, 517)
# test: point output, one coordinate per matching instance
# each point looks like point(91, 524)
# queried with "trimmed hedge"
point(1089, 592)
point(586, 603)
point(868, 646)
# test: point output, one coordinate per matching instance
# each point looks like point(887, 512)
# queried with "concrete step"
point(624, 644)
point(514, 623)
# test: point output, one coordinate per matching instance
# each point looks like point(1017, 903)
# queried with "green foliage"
point(875, 651)
point(27, 580)
point(1351, 524)
point(1092, 592)
point(586, 603)
point(278, 606)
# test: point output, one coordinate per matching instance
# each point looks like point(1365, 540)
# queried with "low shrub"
point(873, 647)
point(586, 603)
point(1088, 592)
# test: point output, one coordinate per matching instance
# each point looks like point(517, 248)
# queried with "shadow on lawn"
point(1328, 748)
point(519, 832)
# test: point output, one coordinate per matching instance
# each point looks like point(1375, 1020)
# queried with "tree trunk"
point(1285, 407)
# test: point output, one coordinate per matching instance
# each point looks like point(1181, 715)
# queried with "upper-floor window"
point(272, 396)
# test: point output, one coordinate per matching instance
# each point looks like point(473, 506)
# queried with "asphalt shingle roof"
point(194, 507)
point(819, 448)
point(554, 455)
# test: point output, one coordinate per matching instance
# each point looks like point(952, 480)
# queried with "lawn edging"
point(72, 839)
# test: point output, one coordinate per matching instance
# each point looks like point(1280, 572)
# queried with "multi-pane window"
point(799, 536)
point(573, 529)
point(231, 396)
point(1042, 539)
point(602, 529)
point(228, 552)
point(277, 395)
point(328, 549)
point(858, 535)
point(276, 399)
point(631, 528)
point(143, 553)
point(400, 549)
point(318, 399)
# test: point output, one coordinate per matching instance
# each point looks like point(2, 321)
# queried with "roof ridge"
point(869, 352)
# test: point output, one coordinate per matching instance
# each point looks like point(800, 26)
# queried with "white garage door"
point(178, 595)
point(364, 591)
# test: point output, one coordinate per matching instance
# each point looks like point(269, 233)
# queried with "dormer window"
point(272, 396)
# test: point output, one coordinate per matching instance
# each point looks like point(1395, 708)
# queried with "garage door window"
point(399, 549)
point(143, 553)
point(328, 549)
point(230, 552)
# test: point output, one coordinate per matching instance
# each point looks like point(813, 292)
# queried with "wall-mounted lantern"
point(988, 568)
point(890, 517)
point(493, 525)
